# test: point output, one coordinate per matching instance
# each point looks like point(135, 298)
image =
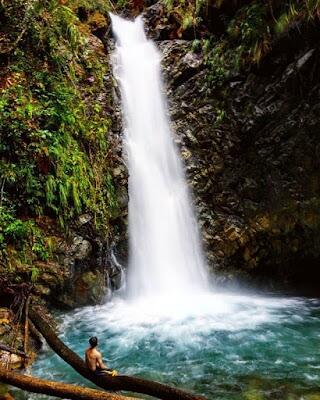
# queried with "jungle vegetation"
point(54, 143)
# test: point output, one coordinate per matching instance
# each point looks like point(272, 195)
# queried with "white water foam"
point(167, 274)
point(165, 252)
point(188, 321)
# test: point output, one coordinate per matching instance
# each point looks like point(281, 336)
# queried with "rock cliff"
point(251, 152)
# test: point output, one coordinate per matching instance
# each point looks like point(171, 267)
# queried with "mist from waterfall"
point(165, 255)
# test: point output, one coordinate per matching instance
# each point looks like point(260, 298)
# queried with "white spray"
point(165, 252)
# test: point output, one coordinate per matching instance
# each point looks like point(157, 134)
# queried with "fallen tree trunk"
point(13, 351)
point(26, 325)
point(120, 382)
point(57, 389)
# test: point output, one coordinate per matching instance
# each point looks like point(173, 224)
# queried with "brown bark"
point(12, 350)
point(26, 325)
point(120, 382)
point(57, 389)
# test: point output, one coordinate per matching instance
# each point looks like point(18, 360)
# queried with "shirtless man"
point(94, 359)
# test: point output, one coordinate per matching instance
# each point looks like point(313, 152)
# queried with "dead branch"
point(9, 349)
point(26, 325)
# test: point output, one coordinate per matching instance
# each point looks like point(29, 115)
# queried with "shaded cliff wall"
point(56, 190)
point(251, 149)
point(250, 146)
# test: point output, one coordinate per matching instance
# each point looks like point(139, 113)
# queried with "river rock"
point(255, 193)
point(87, 288)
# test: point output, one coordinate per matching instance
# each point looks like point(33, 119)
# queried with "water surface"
point(223, 346)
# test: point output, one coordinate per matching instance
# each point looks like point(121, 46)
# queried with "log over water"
point(120, 382)
point(57, 389)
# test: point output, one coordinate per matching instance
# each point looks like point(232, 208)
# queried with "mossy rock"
point(88, 288)
point(253, 394)
point(94, 283)
point(311, 396)
point(3, 390)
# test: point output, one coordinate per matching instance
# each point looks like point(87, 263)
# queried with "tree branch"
point(120, 382)
point(11, 350)
point(57, 389)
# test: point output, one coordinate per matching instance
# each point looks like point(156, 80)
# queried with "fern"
point(34, 274)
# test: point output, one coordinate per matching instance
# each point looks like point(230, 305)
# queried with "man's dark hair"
point(93, 341)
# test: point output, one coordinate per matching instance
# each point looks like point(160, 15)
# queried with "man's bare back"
point(94, 359)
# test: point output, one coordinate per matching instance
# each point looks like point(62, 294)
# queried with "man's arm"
point(100, 363)
point(104, 367)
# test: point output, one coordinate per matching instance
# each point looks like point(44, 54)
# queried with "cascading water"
point(217, 344)
point(165, 251)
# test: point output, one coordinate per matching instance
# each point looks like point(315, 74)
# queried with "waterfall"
point(165, 255)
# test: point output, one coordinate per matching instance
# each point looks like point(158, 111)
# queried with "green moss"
point(250, 34)
point(3, 389)
point(54, 129)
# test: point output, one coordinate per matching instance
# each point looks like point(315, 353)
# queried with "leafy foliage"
point(250, 34)
point(53, 130)
point(24, 235)
point(295, 11)
point(187, 12)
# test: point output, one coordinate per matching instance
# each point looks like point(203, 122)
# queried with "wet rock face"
point(85, 268)
point(78, 273)
point(251, 154)
point(85, 272)
point(252, 160)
